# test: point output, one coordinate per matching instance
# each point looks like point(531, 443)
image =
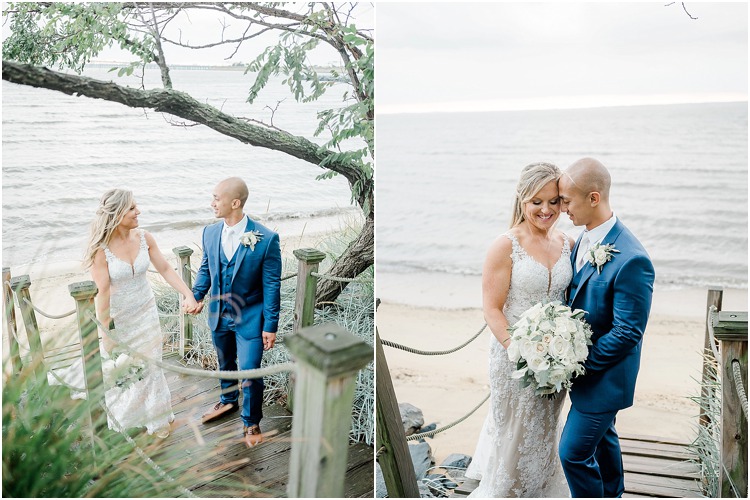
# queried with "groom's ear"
point(594, 198)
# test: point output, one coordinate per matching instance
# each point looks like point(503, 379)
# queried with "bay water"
point(60, 153)
point(445, 184)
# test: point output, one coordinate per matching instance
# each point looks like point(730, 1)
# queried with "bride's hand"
point(191, 306)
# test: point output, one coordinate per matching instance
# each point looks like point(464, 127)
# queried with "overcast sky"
point(480, 56)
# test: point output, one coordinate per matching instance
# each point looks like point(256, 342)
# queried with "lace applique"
point(516, 453)
point(147, 403)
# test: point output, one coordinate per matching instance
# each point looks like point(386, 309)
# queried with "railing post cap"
point(309, 255)
point(730, 326)
point(329, 348)
point(20, 282)
point(183, 251)
point(83, 290)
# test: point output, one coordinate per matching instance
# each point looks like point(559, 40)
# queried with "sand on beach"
point(446, 387)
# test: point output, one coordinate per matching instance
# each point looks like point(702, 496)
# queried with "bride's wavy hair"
point(533, 178)
point(113, 206)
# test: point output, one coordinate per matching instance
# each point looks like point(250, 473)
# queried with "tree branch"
point(184, 106)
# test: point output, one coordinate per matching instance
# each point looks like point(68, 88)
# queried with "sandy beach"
point(447, 387)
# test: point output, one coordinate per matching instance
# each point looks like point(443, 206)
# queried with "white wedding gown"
point(147, 402)
point(516, 455)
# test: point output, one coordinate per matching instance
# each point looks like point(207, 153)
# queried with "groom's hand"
point(269, 339)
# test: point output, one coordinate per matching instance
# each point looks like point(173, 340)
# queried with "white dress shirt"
point(591, 238)
point(230, 236)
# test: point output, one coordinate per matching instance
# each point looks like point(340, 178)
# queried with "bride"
point(516, 455)
point(119, 254)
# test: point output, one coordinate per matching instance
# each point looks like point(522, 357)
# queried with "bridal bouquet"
point(122, 370)
point(549, 344)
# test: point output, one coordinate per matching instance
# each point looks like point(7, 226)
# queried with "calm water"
point(60, 153)
point(445, 184)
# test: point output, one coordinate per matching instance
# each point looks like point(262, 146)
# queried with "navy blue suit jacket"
point(618, 302)
point(256, 282)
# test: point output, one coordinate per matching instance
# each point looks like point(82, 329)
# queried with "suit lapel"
point(217, 244)
point(242, 250)
point(588, 268)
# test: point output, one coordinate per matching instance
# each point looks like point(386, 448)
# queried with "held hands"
point(191, 306)
point(269, 339)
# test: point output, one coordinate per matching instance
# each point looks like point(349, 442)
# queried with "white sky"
point(495, 56)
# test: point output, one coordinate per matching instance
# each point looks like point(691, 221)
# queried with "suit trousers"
point(232, 347)
point(590, 455)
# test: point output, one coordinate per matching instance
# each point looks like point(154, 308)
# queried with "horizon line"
point(485, 107)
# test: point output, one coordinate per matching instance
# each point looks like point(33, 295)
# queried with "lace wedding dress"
point(147, 402)
point(516, 455)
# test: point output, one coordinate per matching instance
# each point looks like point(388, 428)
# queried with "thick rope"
point(737, 372)
point(710, 326)
point(50, 316)
point(339, 279)
point(227, 375)
point(288, 276)
point(143, 455)
point(432, 353)
point(421, 435)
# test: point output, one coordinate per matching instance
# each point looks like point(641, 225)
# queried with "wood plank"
point(656, 450)
point(661, 467)
point(661, 487)
point(651, 439)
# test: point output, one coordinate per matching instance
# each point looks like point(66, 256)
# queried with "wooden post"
point(84, 292)
point(20, 286)
point(714, 298)
point(183, 253)
point(328, 359)
point(307, 284)
point(394, 458)
point(14, 350)
point(730, 328)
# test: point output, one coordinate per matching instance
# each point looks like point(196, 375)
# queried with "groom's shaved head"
point(589, 175)
point(236, 188)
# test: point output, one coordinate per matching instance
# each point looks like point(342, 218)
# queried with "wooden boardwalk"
point(215, 455)
point(654, 467)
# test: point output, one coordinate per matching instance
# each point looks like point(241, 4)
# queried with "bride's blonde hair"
point(113, 206)
point(533, 178)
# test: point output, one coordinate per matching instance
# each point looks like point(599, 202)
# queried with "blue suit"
point(244, 300)
point(618, 302)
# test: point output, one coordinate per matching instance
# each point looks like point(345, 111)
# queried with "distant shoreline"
point(209, 67)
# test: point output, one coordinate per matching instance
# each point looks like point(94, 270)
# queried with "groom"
point(616, 294)
point(241, 273)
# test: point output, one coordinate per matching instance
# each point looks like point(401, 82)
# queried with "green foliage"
point(48, 450)
point(68, 35)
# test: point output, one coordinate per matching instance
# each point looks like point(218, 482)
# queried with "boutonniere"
point(599, 255)
point(251, 238)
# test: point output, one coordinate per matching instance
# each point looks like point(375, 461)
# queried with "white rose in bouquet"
point(549, 344)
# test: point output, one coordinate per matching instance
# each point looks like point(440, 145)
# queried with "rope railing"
point(219, 374)
point(433, 353)
point(288, 276)
point(737, 375)
point(47, 315)
point(421, 435)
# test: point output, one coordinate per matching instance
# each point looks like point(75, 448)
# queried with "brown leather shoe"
point(219, 410)
point(252, 435)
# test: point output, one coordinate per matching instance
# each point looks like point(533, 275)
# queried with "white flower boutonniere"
point(251, 238)
point(601, 254)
